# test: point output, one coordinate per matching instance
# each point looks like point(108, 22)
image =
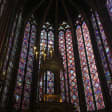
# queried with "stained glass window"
point(84, 68)
point(28, 78)
point(50, 82)
point(66, 50)
point(104, 49)
point(43, 46)
point(11, 53)
point(50, 75)
point(109, 7)
point(46, 44)
point(63, 54)
point(93, 93)
point(24, 76)
point(10, 46)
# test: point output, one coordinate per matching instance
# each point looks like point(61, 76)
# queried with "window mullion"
point(25, 70)
point(88, 68)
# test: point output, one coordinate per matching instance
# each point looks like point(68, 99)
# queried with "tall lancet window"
point(93, 93)
point(10, 44)
point(109, 7)
point(24, 76)
point(46, 44)
point(104, 50)
point(9, 62)
point(67, 53)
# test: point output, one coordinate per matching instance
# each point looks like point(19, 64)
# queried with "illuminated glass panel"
point(14, 47)
point(28, 78)
point(21, 70)
point(66, 50)
point(43, 46)
point(109, 7)
point(63, 86)
point(50, 82)
point(50, 40)
point(63, 54)
point(71, 69)
point(46, 44)
point(50, 75)
point(102, 54)
point(105, 43)
point(93, 69)
point(10, 46)
point(15, 43)
point(85, 73)
point(43, 40)
point(10, 64)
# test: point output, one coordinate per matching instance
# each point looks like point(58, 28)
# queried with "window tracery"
point(93, 93)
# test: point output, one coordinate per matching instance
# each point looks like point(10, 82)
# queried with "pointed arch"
point(104, 49)
point(46, 44)
point(62, 50)
point(24, 75)
point(85, 72)
point(67, 53)
point(10, 55)
point(93, 93)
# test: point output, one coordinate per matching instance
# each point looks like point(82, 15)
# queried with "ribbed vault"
point(47, 10)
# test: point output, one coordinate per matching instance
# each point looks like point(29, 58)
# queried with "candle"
point(36, 53)
point(34, 48)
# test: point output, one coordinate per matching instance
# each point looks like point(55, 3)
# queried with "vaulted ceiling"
point(51, 10)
